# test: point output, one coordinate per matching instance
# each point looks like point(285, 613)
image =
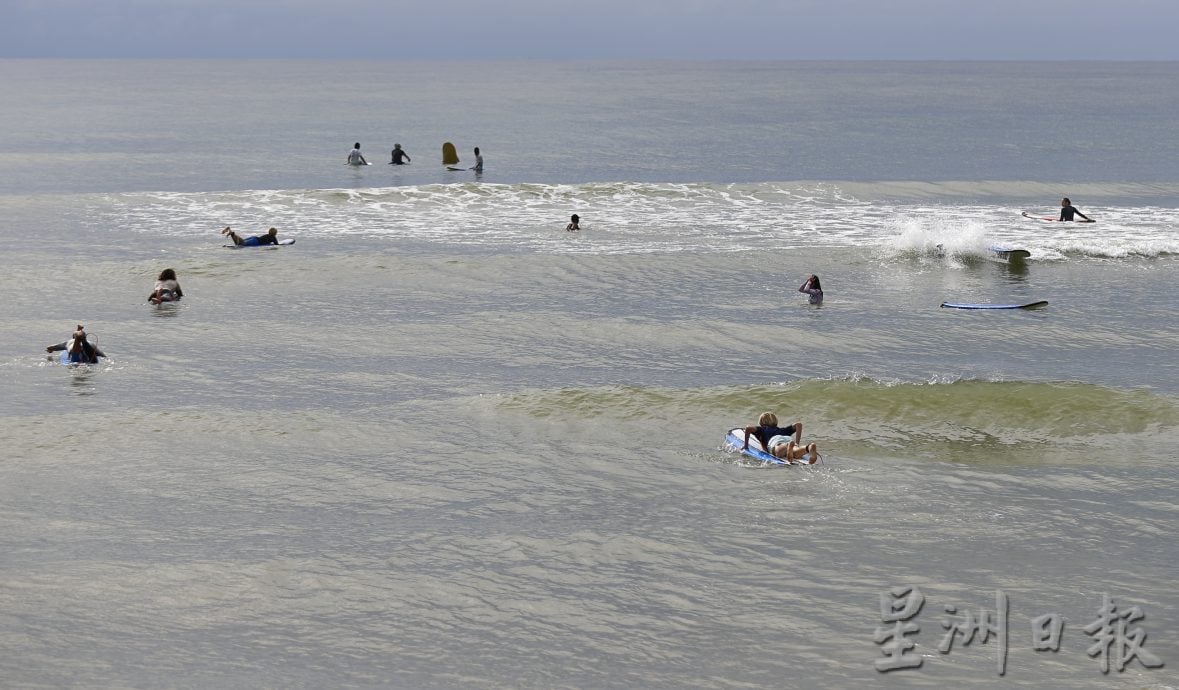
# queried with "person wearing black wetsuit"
point(271, 237)
point(79, 348)
point(1067, 211)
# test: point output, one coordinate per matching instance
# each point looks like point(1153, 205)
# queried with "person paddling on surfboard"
point(398, 156)
point(271, 237)
point(780, 442)
point(167, 288)
point(80, 349)
point(1067, 211)
point(354, 157)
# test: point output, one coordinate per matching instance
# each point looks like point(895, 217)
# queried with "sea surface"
point(440, 442)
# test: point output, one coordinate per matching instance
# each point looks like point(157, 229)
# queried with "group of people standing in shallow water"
point(398, 156)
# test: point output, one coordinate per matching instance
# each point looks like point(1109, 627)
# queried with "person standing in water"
point(355, 157)
point(478, 166)
point(812, 287)
point(574, 223)
point(399, 156)
point(1067, 211)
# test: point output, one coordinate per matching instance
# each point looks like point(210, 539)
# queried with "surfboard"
point(449, 154)
point(1009, 254)
point(451, 167)
point(1052, 219)
point(64, 357)
point(281, 243)
point(1026, 305)
point(736, 438)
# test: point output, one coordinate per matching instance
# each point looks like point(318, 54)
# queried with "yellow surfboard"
point(449, 155)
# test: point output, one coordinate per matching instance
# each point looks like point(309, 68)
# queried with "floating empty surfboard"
point(1026, 305)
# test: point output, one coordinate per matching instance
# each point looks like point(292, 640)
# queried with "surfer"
point(574, 223)
point(398, 156)
point(79, 348)
point(1067, 211)
point(775, 439)
point(478, 166)
point(354, 156)
point(812, 287)
point(271, 237)
point(167, 288)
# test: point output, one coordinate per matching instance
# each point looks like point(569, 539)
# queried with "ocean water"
point(442, 443)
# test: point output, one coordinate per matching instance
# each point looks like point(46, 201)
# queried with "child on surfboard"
point(271, 237)
point(167, 288)
point(780, 442)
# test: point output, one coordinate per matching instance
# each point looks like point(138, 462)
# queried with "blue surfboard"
point(735, 439)
point(71, 360)
point(281, 243)
point(1026, 305)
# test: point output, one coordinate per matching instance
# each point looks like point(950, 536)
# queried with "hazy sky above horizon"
point(593, 29)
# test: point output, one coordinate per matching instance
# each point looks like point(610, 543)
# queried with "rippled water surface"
point(439, 442)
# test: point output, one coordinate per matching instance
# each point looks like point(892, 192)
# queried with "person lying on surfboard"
point(780, 442)
point(1067, 211)
point(271, 237)
point(79, 348)
point(167, 288)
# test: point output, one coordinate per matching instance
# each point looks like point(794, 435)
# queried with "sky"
point(593, 29)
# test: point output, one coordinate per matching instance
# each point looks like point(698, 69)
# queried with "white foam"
point(623, 217)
